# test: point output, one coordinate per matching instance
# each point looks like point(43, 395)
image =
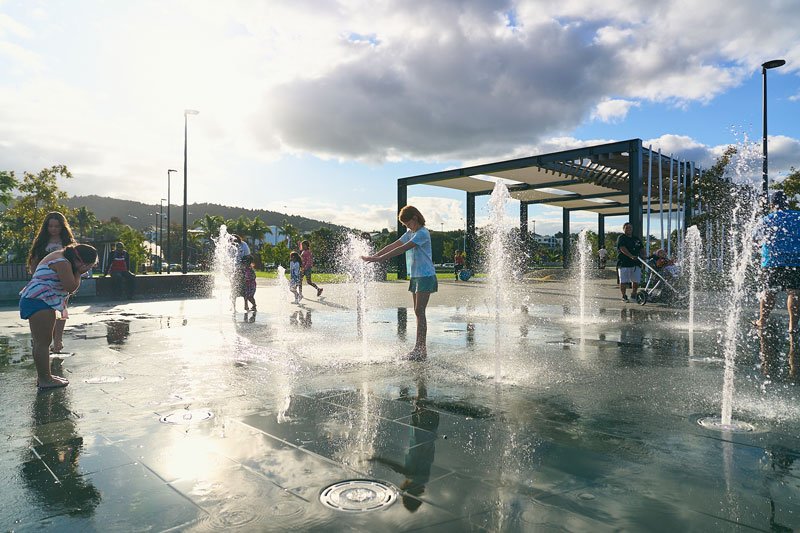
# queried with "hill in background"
point(141, 216)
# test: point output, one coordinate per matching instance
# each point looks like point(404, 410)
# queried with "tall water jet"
point(694, 246)
point(744, 220)
point(282, 284)
point(584, 260)
point(360, 273)
point(224, 266)
point(500, 262)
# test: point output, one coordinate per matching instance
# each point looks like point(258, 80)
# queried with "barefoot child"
point(54, 234)
point(295, 280)
point(249, 283)
point(307, 261)
point(416, 243)
point(57, 275)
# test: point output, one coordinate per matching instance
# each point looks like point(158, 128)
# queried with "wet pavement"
point(182, 415)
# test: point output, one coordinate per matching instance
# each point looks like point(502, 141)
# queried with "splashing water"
point(744, 220)
point(584, 257)
point(360, 273)
point(500, 262)
point(694, 245)
point(224, 266)
point(283, 284)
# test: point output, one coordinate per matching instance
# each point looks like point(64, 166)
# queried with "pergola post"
point(601, 231)
point(635, 187)
point(523, 222)
point(402, 200)
point(565, 237)
point(470, 246)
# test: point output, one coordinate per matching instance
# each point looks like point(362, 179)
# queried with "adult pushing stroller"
point(660, 286)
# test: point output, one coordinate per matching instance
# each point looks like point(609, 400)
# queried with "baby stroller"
point(659, 286)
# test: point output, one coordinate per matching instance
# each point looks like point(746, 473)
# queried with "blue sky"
point(317, 108)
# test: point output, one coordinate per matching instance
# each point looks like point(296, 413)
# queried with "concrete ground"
point(184, 416)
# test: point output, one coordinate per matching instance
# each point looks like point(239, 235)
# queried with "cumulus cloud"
point(477, 84)
point(354, 80)
point(613, 110)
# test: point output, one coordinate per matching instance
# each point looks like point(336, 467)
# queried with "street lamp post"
point(775, 63)
point(161, 237)
point(169, 205)
point(184, 254)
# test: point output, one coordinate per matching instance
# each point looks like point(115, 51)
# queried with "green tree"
point(209, 224)
point(40, 194)
point(291, 233)
point(239, 226)
point(84, 219)
point(7, 184)
point(790, 185)
point(256, 230)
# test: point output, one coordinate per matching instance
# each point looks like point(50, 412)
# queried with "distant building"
point(272, 238)
point(547, 240)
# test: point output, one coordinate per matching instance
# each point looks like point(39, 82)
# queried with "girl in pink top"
point(307, 261)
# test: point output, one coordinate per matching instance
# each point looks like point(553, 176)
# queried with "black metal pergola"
point(606, 179)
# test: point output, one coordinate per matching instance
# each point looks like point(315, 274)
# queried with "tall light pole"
point(169, 205)
point(775, 63)
point(161, 237)
point(184, 252)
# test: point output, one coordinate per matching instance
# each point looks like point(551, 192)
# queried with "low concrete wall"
point(163, 285)
point(153, 286)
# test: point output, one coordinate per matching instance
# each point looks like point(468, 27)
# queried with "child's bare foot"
point(58, 347)
point(53, 382)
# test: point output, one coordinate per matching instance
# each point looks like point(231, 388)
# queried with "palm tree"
point(238, 226)
point(85, 219)
point(210, 225)
point(290, 231)
point(257, 229)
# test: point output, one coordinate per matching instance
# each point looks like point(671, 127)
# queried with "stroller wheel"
point(641, 297)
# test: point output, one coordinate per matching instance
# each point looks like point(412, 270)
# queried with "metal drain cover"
point(358, 495)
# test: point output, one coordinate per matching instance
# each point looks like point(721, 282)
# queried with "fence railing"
point(14, 272)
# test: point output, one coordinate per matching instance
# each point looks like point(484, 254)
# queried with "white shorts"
point(630, 275)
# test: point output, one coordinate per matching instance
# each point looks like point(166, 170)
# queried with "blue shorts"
point(424, 284)
point(30, 306)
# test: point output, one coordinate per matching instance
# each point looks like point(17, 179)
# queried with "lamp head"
point(775, 63)
point(171, 170)
point(190, 112)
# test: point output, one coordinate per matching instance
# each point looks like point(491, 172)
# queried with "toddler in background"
point(249, 283)
point(295, 279)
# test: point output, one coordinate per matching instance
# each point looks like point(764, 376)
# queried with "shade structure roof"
point(593, 178)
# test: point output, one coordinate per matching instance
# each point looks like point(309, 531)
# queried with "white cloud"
point(613, 110)
point(352, 80)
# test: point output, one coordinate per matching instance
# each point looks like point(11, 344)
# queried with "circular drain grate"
point(358, 495)
point(184, 417)
point(736, 426)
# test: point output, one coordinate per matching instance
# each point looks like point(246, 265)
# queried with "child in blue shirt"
point(294, 277)
point(416, 243)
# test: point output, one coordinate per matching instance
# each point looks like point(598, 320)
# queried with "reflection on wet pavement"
point(175, 418)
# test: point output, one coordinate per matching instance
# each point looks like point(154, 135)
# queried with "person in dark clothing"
point(119, 266)
point(629, 249)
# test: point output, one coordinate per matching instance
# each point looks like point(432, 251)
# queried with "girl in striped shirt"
point(57, 275)
point(54, 234)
